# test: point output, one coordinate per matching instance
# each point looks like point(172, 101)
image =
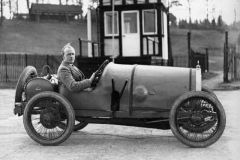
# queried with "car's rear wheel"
point(28, 73)
point(197, 119)
point(79, 125)
point(43, 114)
point(206, 89)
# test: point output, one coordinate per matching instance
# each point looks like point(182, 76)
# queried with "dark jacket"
point(72, 77)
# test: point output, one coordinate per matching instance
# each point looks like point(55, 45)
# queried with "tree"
point(220, 22)
point(1, 13)
point(17, 7)
point(79, 2)
point(213, 23)
point(239, 39)
point(60, 2)
point(207, 7)
point(172, 19)
point(175, 3)
point(183, 24)
point(195, 25)
point(10, 8)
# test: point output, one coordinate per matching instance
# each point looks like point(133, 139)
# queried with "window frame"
point(143, 22)
point(105, 24)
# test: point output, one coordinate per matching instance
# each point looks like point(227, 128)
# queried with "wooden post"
point(235, 63)
point(206, 61)
point(231, 52)
point(154, 52)
point(80, 47)
point(26, 62)
point(225, 60)
point(147, 46)
point(189, 49)
point(93, 54)
point(5, 58)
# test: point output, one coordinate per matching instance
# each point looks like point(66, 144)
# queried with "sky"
point(199, 10)
point(225, 8)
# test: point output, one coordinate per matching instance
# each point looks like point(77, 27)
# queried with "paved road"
point(117, 142)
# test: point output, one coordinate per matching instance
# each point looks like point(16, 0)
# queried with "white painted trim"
point(198, 79)
point(105, 22)
point(89, 31)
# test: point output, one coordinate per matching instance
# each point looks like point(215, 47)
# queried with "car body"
point(133, 95)
point(151, 92)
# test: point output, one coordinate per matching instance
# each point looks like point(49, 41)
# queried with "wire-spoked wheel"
point(44, 113)
point(197, 119)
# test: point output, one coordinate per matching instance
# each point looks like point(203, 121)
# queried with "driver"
point(69, 74)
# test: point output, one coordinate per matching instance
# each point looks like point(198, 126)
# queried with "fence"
point(193, 60)
point(231, 62)
point(180, 61)
point(12, 65)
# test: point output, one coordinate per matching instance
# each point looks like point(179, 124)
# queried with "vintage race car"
point(132, 95)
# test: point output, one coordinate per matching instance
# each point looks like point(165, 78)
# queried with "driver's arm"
point(67, 79)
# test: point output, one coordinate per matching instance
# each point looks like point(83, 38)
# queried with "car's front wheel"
point(43, 114)
point(197, 119)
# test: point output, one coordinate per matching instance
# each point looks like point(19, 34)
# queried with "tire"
point(43, 113)
point(80, 125)
point(28, 73)
point(197, 119)
point(206, 89)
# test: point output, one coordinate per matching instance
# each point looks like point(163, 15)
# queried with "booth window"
point(108, 23)
point(129, 1)
point(130, 23)
point(149, 21)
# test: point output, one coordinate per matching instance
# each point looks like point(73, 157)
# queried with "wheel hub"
point(50, 118)
point(197, 119)
point(197, 123)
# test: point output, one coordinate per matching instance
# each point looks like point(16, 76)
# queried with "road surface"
point(110, 142)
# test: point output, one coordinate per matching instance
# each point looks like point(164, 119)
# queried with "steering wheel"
point(98, 73)
point(48, 77)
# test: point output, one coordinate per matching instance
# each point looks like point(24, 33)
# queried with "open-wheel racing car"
point(132, 95)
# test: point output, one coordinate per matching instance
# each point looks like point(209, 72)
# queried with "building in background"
point(140, 28)
point(53, 12)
